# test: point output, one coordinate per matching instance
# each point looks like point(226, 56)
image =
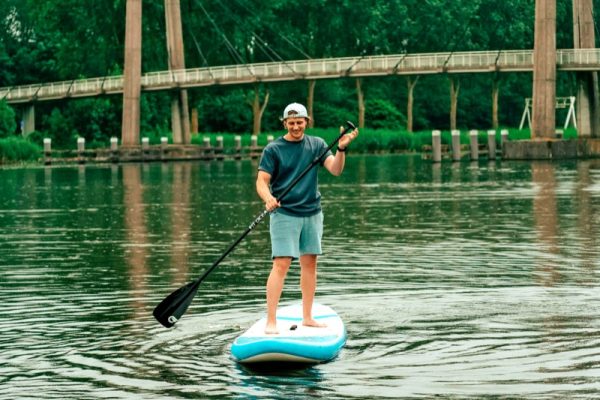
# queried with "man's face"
point(295, 127)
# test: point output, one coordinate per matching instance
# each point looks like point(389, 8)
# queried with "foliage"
point(17, 149)
point(7, 120)
point(56, 40)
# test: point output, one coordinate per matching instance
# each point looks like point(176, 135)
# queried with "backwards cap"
point(295, 110)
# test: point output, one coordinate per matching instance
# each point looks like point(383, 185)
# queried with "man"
point(296, 224)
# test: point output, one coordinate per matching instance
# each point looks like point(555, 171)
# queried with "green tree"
point(7, 120)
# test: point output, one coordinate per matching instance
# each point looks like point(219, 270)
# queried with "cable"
point(230, 48)
point(240, 3)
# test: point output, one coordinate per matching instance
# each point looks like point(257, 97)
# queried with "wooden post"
point(455, 145)
point(219, 148)
point(474, 144)
point(436, 144)
point(491, 144)
point(80, 150)
point(238, 146)
point(47, 151)
point(207, 148)
point(145, 148)
point(163, 148)
point(503, 137)
point(114, 149)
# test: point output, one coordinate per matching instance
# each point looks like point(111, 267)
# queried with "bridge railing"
point(398, 64)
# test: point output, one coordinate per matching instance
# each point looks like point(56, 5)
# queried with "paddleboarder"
point(296, 224)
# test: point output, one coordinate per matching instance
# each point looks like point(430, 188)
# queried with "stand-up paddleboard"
point(294, 342)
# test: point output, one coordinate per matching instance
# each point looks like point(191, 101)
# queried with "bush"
point(8, 125)
point(16, 149)
point(382, 114)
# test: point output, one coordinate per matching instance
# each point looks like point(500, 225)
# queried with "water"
point(467, 281)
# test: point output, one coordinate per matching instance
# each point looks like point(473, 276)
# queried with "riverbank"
point(208, 146)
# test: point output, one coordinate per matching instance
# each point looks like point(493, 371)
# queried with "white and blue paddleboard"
point(294, 342)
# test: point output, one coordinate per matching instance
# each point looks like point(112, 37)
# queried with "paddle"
point(174, 305)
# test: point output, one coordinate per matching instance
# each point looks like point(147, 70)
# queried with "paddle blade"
point(174, 305)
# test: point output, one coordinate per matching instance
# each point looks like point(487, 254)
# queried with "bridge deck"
point(398, 64)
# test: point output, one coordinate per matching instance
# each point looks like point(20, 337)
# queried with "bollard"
point(47, 151)
point(80, 149)
point(270, 138)
point(436, 142)
point(145, 148)
point(207, 148)
point(164, 141)
point(503, 139)
point(455, 145)
point(238, 146)
point(491, 144)
point(114, 149)
point(219, 148)
point(474, 144)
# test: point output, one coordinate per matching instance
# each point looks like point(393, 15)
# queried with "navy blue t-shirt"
point(284, 160)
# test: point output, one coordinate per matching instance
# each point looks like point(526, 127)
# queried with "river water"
point(454, 280)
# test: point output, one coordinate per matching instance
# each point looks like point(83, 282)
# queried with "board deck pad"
point(294, 342)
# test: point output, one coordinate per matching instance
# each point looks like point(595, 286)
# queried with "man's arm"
point(335, 164)
point(264, 191)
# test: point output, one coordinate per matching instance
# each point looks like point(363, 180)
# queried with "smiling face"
point(295, 127)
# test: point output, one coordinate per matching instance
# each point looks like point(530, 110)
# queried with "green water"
point(459, 280)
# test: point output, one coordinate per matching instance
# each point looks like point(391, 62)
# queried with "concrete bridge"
point(396, 64)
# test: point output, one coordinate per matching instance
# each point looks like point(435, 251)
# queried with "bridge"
point(397, 64)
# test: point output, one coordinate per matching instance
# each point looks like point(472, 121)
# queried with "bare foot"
point(271, 330)
point(313, 323)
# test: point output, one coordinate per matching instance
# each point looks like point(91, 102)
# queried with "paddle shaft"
point(264, 213)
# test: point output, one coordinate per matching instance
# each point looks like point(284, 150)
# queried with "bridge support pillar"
point(544, 70)
point(28, 122)
point(588, 102)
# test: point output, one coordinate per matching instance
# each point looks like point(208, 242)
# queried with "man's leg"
point(281, 265)
point(308, 285)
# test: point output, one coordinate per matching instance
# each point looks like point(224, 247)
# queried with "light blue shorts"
point(295, 236)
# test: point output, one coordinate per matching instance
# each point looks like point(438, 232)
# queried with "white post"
point(455, 145)
point(436, 143)
point(491, 144)
point(474, 144)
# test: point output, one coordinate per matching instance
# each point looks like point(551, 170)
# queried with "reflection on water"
point(463, 280)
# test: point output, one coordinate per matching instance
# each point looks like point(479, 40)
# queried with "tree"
point(7, 120)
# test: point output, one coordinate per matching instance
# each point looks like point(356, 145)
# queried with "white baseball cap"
point(295, 110)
